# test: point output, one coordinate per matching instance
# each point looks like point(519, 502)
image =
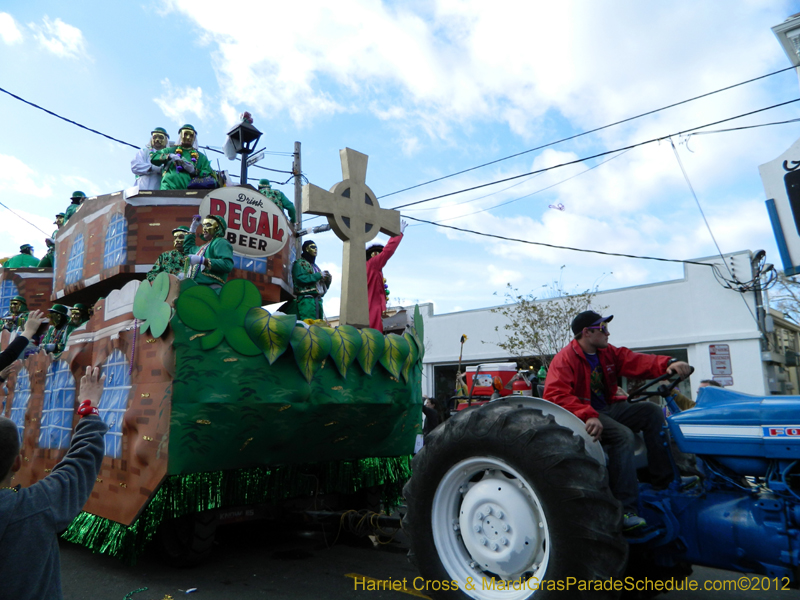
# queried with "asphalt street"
point(263, 560)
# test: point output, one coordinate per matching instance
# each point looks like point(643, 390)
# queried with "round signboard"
point(256, 226)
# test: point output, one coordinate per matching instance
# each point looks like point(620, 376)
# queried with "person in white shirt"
point(148, 175)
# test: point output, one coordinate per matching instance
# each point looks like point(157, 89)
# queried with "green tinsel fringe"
point(186, 494)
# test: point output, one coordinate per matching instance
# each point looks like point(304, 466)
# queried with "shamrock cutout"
point(150, 305)
point(200, 308)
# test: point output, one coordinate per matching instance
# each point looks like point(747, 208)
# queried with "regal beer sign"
point(256, 226)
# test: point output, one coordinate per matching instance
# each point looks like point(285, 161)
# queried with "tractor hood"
point(727, 423)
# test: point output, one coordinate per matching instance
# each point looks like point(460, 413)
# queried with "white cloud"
point(9, 31)
point(454, 61)
point(178, 102)
point(60, 38)
point(17, 177)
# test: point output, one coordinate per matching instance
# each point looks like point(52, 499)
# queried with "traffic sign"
point(256, 157)
point(720, 355)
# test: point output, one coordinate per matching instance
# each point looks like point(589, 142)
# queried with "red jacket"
point(375, 290)
point(567, 382)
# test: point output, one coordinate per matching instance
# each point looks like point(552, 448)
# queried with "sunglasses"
point(602, 328)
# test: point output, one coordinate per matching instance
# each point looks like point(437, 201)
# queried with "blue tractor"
point(511, 500)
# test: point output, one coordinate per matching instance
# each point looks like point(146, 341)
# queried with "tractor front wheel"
point(506, 503)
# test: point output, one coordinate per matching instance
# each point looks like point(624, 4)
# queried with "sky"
point(425, 89)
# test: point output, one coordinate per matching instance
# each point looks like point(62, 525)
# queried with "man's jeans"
point(620, 421)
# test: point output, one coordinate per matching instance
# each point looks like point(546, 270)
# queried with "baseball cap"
point(588, 318)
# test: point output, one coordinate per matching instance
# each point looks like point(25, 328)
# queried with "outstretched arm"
point(388, 250)
point(68, 487)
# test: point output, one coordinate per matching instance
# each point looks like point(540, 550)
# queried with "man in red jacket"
point(583, 379)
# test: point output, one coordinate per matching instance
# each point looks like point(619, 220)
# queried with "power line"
point(50, 112)
point(508, 239)
point(536, 192)
point(708, 226)
point(23, 218)
point(607, 152)
point(744, 127)
point(596, 129)
point(113, 139)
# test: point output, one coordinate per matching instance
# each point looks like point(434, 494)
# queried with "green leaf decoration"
point(269, 332)
point(150, 306)
point(345, 344)
point(394, 354)
point(419, 324)
point(419, 330)
point(200, 308)
point(413, 356)
point(372, 344)
point(310, 347)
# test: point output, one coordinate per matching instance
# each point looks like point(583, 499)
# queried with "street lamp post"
point(244, 138)
point(788, 34)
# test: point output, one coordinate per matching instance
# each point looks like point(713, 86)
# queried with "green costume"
point(17, 320)
point(168, 262)
point(83, 311)
point(219, 253)
point(57, 335)
point(21, 261)
point(172, 178)
point(309, 287)
point(80, 197)
point(278, 198)
point(171, 261)
point(47, 259)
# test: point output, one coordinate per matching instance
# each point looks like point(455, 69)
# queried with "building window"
point(7, 291)
point(249, 263)
point(114, 400)
point(59, 406)
point(22, 393)
point(75, 262)
point(116, 242)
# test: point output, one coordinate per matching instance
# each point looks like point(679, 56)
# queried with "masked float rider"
point(211, 263)
point(77, 200)
point(278, 198)
point(181, 162)
point(310, 285)
point(55, 339)
point(148, 175)
point(47, 259)
point(173, 260)
point(377, 289)
point(24, 260)
point(18, 313)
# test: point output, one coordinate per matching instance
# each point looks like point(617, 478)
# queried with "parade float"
point(215, 405)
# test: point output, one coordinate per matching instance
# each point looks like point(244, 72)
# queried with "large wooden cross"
point(354, 214)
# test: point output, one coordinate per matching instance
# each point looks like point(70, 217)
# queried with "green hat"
point(187, 126)
point(78, 306)
point(77, 194)
point(25, 247)
point(20, 299)
point(183, 228)
point(160, 130)
point(59, 308)
point(223, 225)
point(263, 183)
point(60, 215)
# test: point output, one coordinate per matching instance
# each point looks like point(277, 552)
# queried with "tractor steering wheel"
point(644, 391)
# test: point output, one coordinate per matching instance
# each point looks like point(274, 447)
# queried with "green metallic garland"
point(187, 494)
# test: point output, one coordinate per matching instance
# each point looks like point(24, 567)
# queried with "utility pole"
point(298, 193)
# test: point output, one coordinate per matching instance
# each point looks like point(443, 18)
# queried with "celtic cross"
point(355, 216)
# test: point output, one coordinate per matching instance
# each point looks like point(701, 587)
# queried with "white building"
point(682, 318)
